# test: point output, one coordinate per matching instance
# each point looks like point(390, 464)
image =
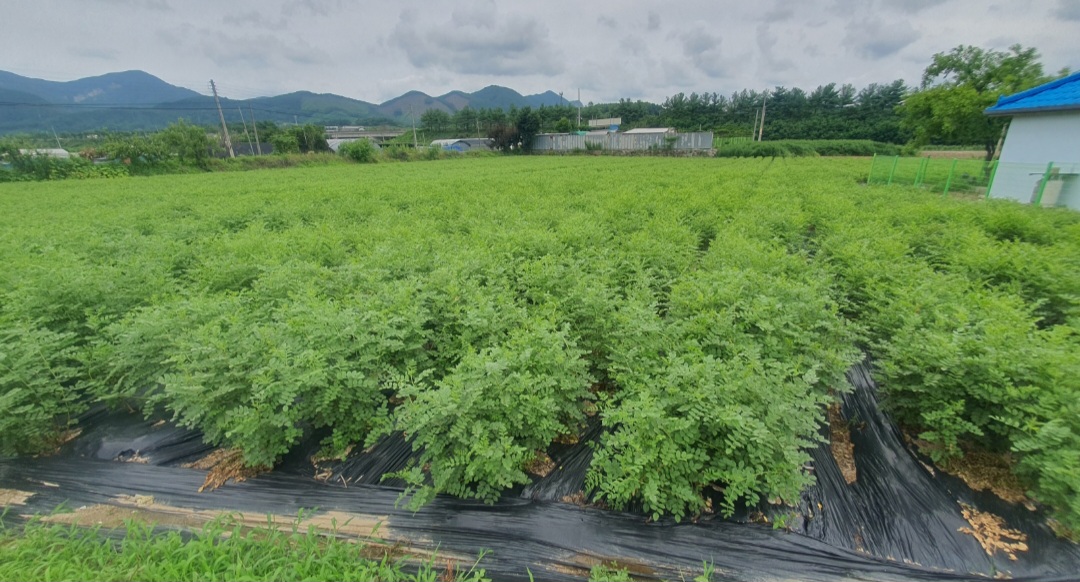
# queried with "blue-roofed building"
point(1044, 133)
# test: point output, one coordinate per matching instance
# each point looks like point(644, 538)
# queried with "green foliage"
point(480, 425)
point(285, 142)
point(361, 150)
point(959, 85)
point(805, 148)
point(973, 343)
point(38, 369)
point(25, 164)
point(435, 120)
point(527, 123)
point(224, 549)
point(725, 388)
point(189, 143)
point(612, 573)
point(484, 315)
point(826, 113)
point(309, 138)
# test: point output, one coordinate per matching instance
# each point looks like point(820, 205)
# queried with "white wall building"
point(1040, 160)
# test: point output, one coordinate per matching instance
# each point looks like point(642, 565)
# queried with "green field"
point(705, 309)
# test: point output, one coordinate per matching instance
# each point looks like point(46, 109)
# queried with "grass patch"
point(224, 549)
point(796, 148)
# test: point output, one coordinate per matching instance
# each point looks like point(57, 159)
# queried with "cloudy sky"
point(376, 50)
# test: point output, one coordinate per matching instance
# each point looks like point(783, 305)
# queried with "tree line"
point(946, 108)
point(828, 112)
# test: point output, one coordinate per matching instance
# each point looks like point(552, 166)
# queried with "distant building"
point(48, 152)
point(336, 143)
point(611, 123)
point(463, 144)
point(1040, 160)
point(652, 131)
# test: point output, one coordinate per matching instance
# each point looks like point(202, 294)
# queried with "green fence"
point(971, 177)
point(1050, 184)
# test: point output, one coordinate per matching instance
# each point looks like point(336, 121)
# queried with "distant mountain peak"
point(159, 103)
point(123, 88)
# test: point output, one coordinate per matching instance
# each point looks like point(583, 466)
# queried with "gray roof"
point(652, 130)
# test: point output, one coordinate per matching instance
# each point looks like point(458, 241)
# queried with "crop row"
point(705, 310)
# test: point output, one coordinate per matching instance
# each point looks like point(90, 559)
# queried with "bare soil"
point(843, 450)
point(225, 465)
point(992, 534)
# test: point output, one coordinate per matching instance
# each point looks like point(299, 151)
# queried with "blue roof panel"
point(1064, 93)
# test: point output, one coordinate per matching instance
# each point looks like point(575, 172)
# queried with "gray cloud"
point(766, 41)
point(487, 46)
point(1068, 10)
point(93, 53)
point(312, 7)
point(913, 5)
point(781, 11)
point(159, 5)
point(367, 50)
point(255, 19)
point(259, 51)
point(634, 45)
point(876, 39)
point(703, 49)
point(653, 22)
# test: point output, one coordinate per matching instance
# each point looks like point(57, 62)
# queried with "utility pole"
point(579, 109)
point(753, 129)
point(251, 148)
point(761, 128)
point(412, 116)
point(255, 128)
point(228, 142)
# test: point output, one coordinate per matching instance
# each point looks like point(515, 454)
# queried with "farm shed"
point(651, 131)
point(1040, 160)
point(48, 152)
point(335, 143)
point(629, 141)
point(463, 144)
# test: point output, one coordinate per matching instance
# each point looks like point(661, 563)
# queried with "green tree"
point(465, 121)
point(528, 125)
point(311, 138)
point(435, 120)
point(188, 142)
point(285, 142)
point(959, 85)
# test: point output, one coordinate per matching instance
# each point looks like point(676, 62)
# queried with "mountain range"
point(136, 101)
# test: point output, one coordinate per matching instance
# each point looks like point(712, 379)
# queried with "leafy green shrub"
point(478, 427)
point(38, 399)
point(728, 387)
point(254, 380)
point(361, 150)
point(397, 153)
